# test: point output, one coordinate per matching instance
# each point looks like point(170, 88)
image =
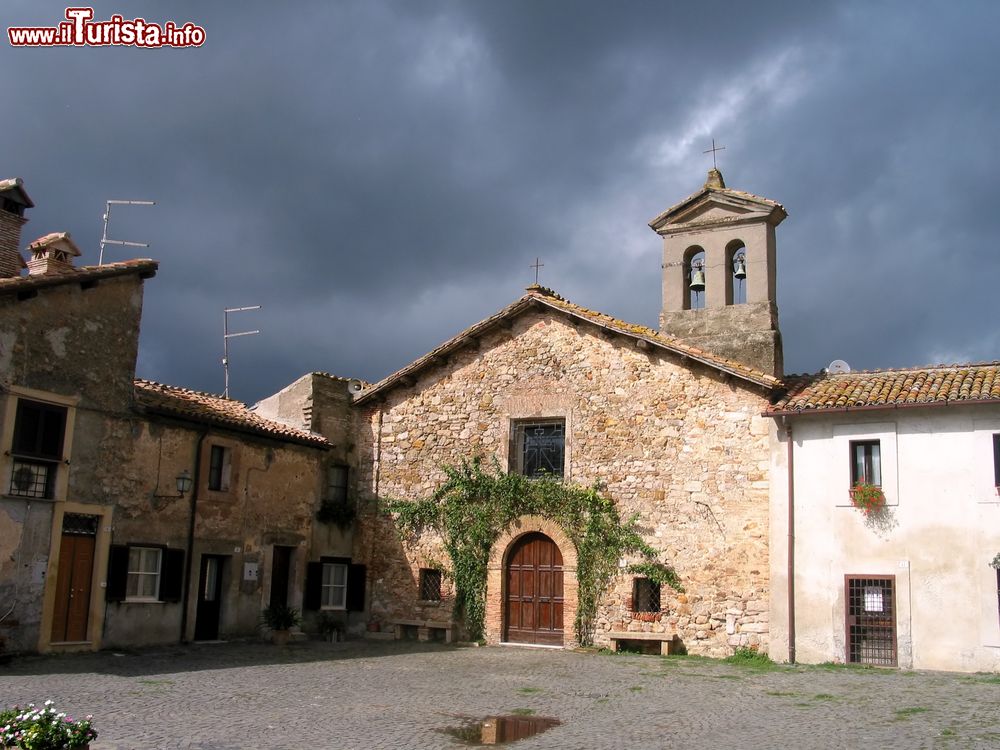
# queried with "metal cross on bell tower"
point(536, 265)
point(713, 151)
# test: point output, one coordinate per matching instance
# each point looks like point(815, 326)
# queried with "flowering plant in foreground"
point(33, 728)
point(868, 497)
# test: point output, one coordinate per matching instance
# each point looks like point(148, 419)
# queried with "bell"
point(740, 267)
point(697, 280)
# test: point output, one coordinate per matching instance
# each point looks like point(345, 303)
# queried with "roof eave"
point(879, 407)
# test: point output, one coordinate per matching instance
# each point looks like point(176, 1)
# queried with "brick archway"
point(495, 578)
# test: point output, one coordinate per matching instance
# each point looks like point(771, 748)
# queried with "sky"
point(380, 175)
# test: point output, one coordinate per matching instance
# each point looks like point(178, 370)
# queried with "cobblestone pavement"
point(403, 695)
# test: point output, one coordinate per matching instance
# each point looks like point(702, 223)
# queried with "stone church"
point(670, 422)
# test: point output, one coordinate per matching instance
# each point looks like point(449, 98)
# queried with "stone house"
point(911, 584)
point(669, 422)
point(133, 512)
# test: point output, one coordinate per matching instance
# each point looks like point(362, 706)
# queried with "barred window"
point(430, 585)
point(645, 595)
point(539, 448)
point(39, 431)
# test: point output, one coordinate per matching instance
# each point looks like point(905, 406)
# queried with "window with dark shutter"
point(117, 573)
point(311, 597)
point(172, 575)
point(356, 575)
point(37, 448)
point(996, 460)
point(219, 468)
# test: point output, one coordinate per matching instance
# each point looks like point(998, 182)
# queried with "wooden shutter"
point(171, 575)
point(356, 575)
point(314, 582)
point(117, 573)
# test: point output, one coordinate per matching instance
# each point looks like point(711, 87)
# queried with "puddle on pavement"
point(499, 730)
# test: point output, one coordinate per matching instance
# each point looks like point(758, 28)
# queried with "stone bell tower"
point(723, 241)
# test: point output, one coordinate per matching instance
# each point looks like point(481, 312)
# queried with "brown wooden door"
point(534, 598)
point(73, 581)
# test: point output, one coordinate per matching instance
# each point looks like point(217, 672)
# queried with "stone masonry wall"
point(678, 445)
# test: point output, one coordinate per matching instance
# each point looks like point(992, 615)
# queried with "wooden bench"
point(425, 629)
point(666, 640)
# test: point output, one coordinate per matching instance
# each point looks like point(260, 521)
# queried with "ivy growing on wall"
point(476, 504)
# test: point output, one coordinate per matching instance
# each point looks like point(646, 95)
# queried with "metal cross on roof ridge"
point(536, 265)
point(712, 152)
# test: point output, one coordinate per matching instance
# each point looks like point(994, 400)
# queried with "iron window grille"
point(540, 448)
point(645, 595)
point(871, 621)
point(866, 462)
point(430, 585)
point(39, 432)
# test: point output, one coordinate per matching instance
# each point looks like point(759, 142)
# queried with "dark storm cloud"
point(379, 175)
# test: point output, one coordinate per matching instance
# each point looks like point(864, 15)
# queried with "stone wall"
point(679, 445)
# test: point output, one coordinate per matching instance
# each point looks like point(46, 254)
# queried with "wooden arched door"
point(533, 606)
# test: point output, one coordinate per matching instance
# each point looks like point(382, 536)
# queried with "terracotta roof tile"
point(547, 297)
point(869, 389)
point(142, 266)
point(206, 408)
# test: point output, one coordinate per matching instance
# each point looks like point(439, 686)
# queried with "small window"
point(37, 450)
point(540, 448)
point(143, 574)
point(333, 592)
point(866, 463)
point(220, 468)
point(430, 585)
point(996, 460)
point(645, 595)
point(336, 484)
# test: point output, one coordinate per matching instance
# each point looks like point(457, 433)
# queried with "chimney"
point(13, 202)
point(51, 254)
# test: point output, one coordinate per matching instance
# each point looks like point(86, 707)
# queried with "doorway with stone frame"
point(531, 586)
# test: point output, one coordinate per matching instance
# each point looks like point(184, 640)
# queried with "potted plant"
point(995, 562)
point(330, 627)
point(44, 728)
point(869, 498)
point(280, 619)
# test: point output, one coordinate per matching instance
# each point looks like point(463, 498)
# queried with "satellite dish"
point(838, 367)
point(355, 387)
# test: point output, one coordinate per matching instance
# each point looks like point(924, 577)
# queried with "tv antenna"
point(107, 218)
point(225, 340)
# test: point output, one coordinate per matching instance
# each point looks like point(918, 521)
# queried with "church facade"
point(673, 432)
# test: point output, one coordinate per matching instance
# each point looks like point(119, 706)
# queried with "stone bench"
point(425, 629)
point(666, 640)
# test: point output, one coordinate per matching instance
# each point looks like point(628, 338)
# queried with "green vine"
point(336, 512)
point(475, 505)
point(658, 573)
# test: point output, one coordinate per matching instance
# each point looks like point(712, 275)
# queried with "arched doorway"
point(533, 591)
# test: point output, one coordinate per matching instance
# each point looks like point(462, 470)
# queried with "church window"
point(645, 595)
point(430, 585)
point(866, 462)
point(539, 448)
